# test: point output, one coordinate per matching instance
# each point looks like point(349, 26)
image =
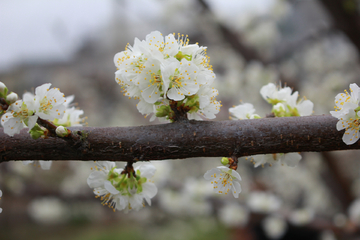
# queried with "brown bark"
point(182, 140)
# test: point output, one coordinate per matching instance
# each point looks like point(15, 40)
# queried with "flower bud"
point(37, 132)
point(225, 161)
point(163, 111)
point(62, 131)
point(12, 97)
point(3, 89)
point(279, 110)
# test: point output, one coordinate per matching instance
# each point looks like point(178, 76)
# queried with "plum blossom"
point(244, 111)
point(263, 202)
point(289, 159)
point(160, 70)
point(71, 115)
point(274, 226)
point(224, 180)
point(285, 103)
point(234, 215)
point(19, 115)
point(347, 111)
point(47, 104)
point(123, 191)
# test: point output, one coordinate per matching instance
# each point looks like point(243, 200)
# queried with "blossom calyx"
point(38, 131)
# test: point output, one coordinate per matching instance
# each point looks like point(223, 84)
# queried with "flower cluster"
point(162, 70)
point(71, 117)
point(285, 103)
point(47, 104)
point(347, 111)
point(123, 189)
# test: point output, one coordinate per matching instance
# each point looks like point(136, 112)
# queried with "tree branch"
point(184, 139)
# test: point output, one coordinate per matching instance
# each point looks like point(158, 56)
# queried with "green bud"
point(279, 110)
point(163, 111)
point(193, 103)
point(3, 90)
point(225, 161)
point(37, 132)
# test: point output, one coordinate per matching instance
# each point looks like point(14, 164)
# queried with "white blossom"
point(19, 115)
point(274, 226)
point(301, 217)
point(289, 159)
point(123, 191)
point(274, 95)
point(244, 111)
point(47, 104)
point(180, 79)
point(225, 180)
point(234, 215)
point(208, 105)
point(344, 102)
point(263, 202)
point(48, 210)
point(159, 69)
point(285, 103)
point(347, 111)
point(71, 115)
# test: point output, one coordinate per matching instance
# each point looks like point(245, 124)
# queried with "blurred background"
point(310, 45)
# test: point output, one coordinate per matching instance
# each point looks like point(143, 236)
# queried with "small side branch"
point(184, 139)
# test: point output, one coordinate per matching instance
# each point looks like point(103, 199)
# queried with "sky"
point(52, 30)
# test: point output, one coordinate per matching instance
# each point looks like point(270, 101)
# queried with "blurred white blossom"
point(263, 202)
point(274, 226)
point(301, 217)
point(48, 210)
point(233, 215)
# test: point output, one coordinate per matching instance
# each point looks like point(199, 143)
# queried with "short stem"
point(48, 125)
point(3, 104)
point(180, 112)
point(129, 169)
point(233, 162)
